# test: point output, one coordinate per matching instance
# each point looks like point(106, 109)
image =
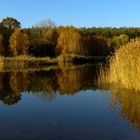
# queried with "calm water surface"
point(66, 104)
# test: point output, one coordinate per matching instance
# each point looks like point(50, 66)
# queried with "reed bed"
point(124, 67)
point(21, 62)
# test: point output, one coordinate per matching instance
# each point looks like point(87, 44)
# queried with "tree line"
point(42, 41)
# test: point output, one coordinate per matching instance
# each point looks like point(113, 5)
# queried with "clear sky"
point(80, 13)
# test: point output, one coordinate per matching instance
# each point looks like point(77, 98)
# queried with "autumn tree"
point(51, 36)
point(51, 39)
point(19, 43)
point(69, 40)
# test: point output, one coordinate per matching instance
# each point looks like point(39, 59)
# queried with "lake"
point(66, 104)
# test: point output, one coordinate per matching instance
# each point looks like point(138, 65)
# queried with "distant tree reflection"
point(44, 84)
point(7, 95)
point(47, 84)
point(19, 82)
point(78, 78)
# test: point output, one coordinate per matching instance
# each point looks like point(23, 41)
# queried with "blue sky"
point(79, 13)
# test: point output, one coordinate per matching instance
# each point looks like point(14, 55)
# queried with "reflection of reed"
point(130, 104)
point(125, 98)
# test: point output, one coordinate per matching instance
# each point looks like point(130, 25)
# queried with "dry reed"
point(124, 67)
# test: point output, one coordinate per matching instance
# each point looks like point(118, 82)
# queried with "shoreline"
point(28, 61)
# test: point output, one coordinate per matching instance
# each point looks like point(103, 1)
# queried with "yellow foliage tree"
point(51, 36)
point(69, 40)
point(19, 43)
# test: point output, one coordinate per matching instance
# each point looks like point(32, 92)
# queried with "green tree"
point(7, 27)
point(19, 43)
point(114, 42)
point(123, 38)
point(10, 22)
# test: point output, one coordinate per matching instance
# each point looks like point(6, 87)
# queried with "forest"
point(53, 41)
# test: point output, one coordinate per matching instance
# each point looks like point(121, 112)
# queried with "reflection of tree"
point(73, 80)
point(11, 99)
point(1, 81)
point(130, 105)
point(19, 82)
point(46, 84)
point(69, 81)
point(7, 96)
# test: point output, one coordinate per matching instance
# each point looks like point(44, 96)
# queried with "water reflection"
point(46, 84)
point(7, 95)
point(129, 102)
point(125, 97)
point(87, 114)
